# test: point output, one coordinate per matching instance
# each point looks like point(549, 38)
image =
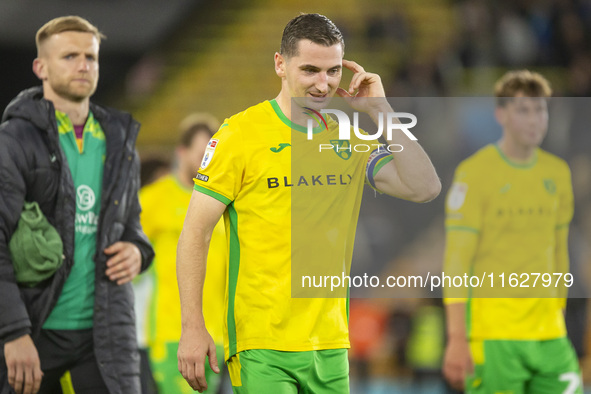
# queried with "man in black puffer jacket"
point(78, 162)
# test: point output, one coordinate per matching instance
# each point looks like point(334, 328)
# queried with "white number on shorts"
point(573, 379)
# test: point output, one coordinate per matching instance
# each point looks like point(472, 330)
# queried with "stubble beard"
point(75, 95)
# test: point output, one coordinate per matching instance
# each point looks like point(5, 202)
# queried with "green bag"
point(36, 248)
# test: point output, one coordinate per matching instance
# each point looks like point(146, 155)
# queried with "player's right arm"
point(457, 362)
point(195, 343)
point(217, 184)
point(460, 249)
point(462, 228)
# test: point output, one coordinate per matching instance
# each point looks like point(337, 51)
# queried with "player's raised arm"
point(195, 343)
point(410, 175)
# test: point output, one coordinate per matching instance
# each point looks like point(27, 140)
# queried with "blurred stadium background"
point(165, 59)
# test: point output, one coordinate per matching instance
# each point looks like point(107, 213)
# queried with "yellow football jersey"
point(164, 206)
point(518, 216)
point(292, 210)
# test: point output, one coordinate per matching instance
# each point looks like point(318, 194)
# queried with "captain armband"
point(377, 159)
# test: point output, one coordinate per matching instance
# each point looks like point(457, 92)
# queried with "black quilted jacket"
point(33, 168)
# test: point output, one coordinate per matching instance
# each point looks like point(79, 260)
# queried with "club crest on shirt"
point(457, 195)
point(550, 186)
point(342, 148)
point(209, 151)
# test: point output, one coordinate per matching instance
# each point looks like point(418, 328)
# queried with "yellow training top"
point(504, 218)
point(164, 207)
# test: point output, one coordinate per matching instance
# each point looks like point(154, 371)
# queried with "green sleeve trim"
point(382, 163)
point(222, 126)
point(233, 271)
point(561, 226)
point(213, 194)
point(463, 228)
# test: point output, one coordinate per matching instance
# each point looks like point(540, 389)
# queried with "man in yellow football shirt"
point(256, 172)
point(164, 205)
point(508, 212)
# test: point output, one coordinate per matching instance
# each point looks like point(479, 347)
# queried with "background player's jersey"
point(258, 165)
point(164, 206)
point(520, 215)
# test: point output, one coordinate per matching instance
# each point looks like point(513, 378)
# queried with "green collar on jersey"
point(289, 123)
point(514, 164)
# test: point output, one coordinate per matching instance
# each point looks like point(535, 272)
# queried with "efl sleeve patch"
point(209, 151)
point(457, 196)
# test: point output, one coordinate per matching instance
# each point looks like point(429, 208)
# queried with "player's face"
point(314, 73)
point(193, 155)
point(525, 120)
point(68, 63)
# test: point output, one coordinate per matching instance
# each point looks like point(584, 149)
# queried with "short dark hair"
point(194, 124)
point(531, 84)
point(187, 136)
point(314, 27)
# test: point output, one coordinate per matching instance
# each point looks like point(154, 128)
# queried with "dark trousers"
point(61, 351)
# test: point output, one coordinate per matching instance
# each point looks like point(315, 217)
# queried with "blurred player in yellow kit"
point(508, 211)
point(164, 205)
